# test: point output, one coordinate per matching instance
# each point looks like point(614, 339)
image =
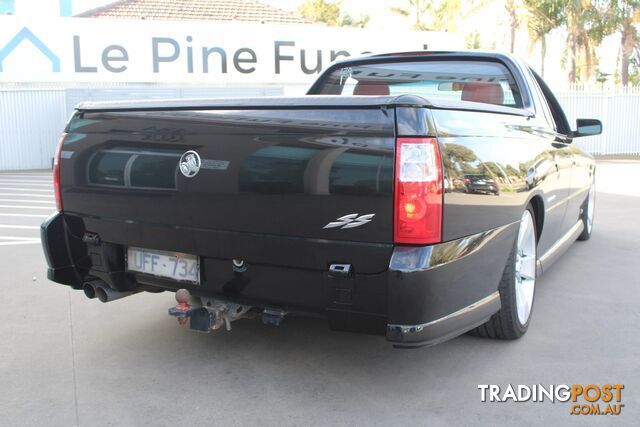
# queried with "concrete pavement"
point(66, 360)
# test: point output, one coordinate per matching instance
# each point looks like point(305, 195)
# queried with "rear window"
point(275, 169)
point(474, 81)
point(149, 169)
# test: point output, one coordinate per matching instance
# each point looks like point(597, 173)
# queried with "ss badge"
point(350, 221)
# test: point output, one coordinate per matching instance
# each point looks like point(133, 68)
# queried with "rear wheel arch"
point(538, 214)
point(517, 286)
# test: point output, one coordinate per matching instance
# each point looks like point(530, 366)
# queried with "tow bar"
point(212, 313)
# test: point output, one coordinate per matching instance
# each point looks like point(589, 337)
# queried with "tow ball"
point(209, 314)
point(199, 318)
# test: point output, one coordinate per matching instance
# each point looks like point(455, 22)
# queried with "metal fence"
point(616, 107)
point(31, 119)
point(30, 124)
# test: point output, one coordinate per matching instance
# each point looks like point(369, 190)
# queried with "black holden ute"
point(412, 195)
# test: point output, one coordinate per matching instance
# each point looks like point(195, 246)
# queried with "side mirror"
point(587, 127)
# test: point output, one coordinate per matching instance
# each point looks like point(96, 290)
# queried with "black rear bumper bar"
point(61, 268)
point(427, 295)
point(446, 327)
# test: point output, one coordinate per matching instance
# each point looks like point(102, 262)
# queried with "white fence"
point(32, 119)
point(618, 110)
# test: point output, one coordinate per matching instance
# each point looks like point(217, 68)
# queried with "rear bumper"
point(60, 265)
point(446, 327)
point(440, 291)
point(427, 295)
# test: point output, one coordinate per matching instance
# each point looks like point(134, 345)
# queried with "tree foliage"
point(438, 15)
point(585, 22)
point(331, 14)
point(472, 40)
point(622, 16)
point(361, 21)
point(512, 8)
point(321, 11)
point(543, 17)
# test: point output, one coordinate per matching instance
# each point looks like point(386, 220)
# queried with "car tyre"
point(517, 286)
point(587, 213)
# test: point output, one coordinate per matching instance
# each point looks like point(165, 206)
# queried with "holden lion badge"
point(190, 164)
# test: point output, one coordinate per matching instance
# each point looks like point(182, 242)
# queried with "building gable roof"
point(196, 10)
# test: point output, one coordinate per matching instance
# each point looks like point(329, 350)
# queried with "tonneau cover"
point(300, 102)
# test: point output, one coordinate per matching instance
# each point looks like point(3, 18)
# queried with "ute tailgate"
point(272, 178)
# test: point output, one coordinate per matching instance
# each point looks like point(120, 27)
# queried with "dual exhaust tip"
point(99, 289)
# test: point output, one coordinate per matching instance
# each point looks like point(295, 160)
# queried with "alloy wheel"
point(525, 268)
point(591, 204)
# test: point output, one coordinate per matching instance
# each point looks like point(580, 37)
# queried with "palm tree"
point(438, 15)
point(543, 17)
point(512, 7)
point(587, 24)
point(623, 17)
point(417, 8)
point(575, 12)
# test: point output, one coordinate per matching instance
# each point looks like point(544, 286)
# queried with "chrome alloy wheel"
point(525, 268)
point(591, 204)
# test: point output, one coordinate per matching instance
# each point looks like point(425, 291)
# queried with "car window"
point(275, 169)
point(559, 118)
point(122, 167)
point(474, 81)
point(542, 102)
point(357, 174)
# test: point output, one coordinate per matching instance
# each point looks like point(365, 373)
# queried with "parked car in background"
point(480, 184)
point(331, 204)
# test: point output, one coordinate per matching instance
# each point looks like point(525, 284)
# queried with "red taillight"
point(418, 191)
point(56, 173)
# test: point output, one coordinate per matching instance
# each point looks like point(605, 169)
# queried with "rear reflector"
point(56, 173)
point(418, 191)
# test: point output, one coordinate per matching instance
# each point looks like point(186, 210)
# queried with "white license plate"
point(172, 265)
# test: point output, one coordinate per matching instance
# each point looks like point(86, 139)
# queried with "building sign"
point(100, 50)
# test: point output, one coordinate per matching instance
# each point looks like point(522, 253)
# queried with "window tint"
point(153, 171)
point(544, 107)
point(275, 169)
point(354, 173)
point(134, 169)
point(474, 81)
point(108, 168)
point(559, 118)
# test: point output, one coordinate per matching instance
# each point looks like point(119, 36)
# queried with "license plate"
point(172, 265)
point(480, 182)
